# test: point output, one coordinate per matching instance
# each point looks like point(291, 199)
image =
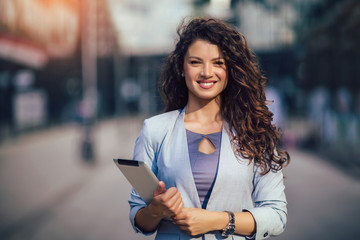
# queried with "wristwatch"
point(230, 229)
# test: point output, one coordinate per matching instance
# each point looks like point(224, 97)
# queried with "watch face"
point(230, 231)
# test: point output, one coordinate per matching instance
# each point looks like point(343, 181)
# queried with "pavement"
point(47, 191)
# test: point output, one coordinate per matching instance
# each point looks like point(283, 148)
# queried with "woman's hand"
point(165, 203)
point(195, 221)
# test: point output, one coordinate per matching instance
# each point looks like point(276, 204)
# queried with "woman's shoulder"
point(157, 127)
point(164, 119)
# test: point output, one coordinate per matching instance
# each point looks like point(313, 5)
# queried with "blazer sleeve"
point(270, 212)
point(143, 151)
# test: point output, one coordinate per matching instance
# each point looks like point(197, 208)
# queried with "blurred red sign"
point(22, 52)
point(53, 24)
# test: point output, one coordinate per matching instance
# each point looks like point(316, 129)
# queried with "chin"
point(206, 97)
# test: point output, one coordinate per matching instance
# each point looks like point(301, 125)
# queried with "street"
point(48, 192)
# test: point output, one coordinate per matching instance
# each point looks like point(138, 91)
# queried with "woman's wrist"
point(220, 220)
point(151, 211)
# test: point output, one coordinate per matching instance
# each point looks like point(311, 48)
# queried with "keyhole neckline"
point(204, 135)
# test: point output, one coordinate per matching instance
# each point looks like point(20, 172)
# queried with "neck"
point(203, 111)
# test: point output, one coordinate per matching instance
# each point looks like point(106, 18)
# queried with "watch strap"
point(230, 229)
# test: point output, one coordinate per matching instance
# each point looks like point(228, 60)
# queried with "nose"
point(207, 71)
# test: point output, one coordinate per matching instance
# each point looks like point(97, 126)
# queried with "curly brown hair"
point(243, 101)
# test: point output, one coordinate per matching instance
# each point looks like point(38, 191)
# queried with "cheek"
point(186, 75)
point(188, 71)
point(188, 82)
point(222, 73)
point(225, 78)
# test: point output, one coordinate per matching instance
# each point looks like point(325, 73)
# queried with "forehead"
point(204, 49)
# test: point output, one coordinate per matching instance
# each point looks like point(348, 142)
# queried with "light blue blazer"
point(239, 186)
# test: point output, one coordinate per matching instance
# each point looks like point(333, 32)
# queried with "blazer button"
point(266, 234)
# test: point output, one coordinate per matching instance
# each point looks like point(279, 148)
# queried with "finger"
point(173, 204)
point(179, 218)
point(181, 214)
point(160, 189)
point(162, 186)
point(171, 192)
point(181, 223)
point(178, 206)
point(171, 195)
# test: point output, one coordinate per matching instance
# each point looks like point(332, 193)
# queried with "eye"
point(194, 62)
point(219, 62)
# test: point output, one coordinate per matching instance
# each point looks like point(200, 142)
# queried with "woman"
point(214, 151)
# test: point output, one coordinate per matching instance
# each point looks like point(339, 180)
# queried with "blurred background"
point(78, 77)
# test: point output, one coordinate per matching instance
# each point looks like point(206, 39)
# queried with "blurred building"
point(41, 77)
point(38, 54)
point(328, 43)
point(329, 34)
point(147, 33)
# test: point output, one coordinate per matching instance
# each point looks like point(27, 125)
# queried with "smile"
point(206, 84)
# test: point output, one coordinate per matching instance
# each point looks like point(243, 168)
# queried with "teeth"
point(207, 84)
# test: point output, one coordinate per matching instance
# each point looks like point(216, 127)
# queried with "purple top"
point(204, 166)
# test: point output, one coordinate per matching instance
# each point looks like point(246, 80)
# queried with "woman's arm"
point(270, 211)
point(267, 218)
point(165, 203)
point(195, 221)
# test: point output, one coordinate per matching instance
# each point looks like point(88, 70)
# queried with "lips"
point(206, 84)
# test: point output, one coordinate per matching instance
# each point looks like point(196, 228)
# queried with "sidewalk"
point(41, 170)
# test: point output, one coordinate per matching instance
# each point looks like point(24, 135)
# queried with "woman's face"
point(205, 71)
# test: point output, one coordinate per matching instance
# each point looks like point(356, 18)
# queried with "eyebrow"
point(217, 58)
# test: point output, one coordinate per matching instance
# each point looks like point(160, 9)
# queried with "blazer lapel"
point(180, 155)
point(226, 156)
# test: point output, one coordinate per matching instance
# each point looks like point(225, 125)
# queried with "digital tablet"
point(140, 176)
